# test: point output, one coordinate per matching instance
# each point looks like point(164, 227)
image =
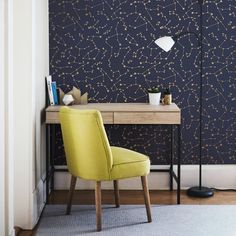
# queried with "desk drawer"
point(107, 117)
point(53, 117)
point(146, 118)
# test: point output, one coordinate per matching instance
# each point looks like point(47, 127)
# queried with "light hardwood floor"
point(136, 197)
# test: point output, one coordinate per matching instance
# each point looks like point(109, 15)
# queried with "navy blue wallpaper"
point(106, 47)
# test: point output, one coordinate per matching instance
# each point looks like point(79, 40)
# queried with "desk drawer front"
point(146, 118)
point(107, 117)
point(53, 117)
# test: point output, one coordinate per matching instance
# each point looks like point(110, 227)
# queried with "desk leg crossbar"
point(50, 154)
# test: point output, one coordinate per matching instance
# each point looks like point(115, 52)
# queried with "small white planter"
point(154, 98)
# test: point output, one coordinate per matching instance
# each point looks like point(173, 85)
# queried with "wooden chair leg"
point(98, 199)
point(116, 192)
point(72, 188)
point(146, 197)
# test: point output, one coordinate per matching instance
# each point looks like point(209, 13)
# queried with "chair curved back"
point(88, 153)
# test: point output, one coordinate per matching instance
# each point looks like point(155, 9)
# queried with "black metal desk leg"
point(179, 164)
point(52, 155)
point(47, 160)
point(171, 158)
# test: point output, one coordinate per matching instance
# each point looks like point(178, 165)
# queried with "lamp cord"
point(224, 190)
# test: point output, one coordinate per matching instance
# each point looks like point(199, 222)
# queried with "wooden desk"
point(121, 113)
point(125, 113)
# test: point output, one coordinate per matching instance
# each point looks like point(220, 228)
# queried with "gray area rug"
point(168, 220)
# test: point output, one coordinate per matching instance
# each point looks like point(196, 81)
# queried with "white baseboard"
point(12, 232)
point(38, 201)
point(216, 176)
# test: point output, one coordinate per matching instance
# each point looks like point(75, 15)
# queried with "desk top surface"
point(121, 107)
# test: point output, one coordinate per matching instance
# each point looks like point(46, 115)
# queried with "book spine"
point(54, 92)
point(50, 93)
point(58, 96)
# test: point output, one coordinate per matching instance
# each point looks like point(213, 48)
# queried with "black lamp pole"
point(166, 44)
point(200, 191)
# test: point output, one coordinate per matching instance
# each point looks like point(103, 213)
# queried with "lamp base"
point(201, 192)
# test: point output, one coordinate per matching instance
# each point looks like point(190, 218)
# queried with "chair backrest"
point(88, 153)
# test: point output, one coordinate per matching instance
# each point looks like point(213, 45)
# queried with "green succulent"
point(153, 90)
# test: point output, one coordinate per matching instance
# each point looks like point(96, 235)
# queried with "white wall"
point(40, 70)
point(24, 113)
point(2, 123)
point(30, 48)
point(215, 176)
point(6, 115)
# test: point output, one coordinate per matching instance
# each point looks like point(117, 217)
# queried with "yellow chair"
point(89, 156)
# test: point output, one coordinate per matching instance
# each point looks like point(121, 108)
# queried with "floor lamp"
point(166, 43)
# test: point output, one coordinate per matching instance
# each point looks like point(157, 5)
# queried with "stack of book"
point(52, 91)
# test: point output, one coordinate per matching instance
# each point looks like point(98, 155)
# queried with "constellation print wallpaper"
point(106, 47)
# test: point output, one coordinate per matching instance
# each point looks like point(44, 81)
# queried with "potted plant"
point(154, 96)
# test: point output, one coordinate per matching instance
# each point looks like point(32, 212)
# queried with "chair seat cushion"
point(127, 164)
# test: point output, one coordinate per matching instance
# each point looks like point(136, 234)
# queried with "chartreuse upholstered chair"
point(89, 156)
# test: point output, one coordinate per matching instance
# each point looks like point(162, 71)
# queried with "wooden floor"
point(136, 197)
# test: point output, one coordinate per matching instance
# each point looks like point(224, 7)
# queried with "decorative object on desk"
point(49, 88)
point(167, 99)
point(166, 44)
point(61, 95)
point(154, 96)
point(68, 99)
point(76, 94)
